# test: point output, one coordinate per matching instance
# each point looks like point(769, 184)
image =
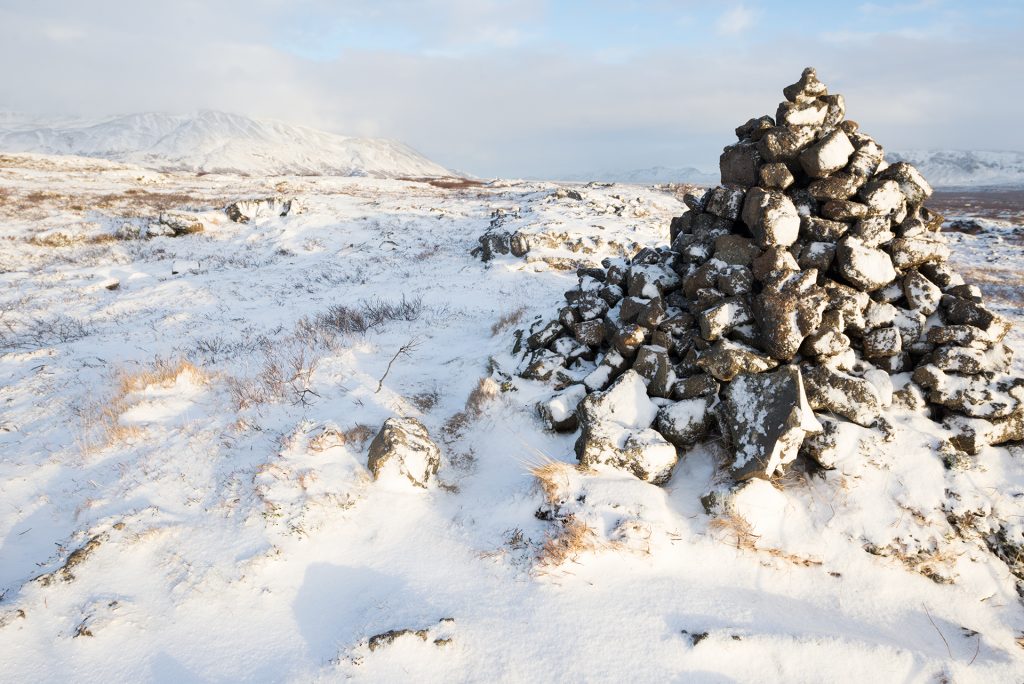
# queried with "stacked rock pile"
point(801, 291)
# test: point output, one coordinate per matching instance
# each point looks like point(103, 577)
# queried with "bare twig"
point(406, 349)
point(941, 636)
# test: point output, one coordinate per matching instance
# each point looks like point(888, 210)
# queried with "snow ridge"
point(218, 142)
point(960, 168)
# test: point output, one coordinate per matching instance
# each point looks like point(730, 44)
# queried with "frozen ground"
point(183, 491)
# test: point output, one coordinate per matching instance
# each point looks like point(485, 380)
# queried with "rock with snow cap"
point(616, 431)
point(403, 450)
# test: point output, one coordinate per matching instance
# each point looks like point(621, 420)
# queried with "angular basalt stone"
point(650, 281)
point(545, 336)
point(754, 128)
point(783, 144)
point(977, 397)
point(912, 184)
point(494, 244)
point(844, 210)
point(612, 365)
point(776, 176)
point(725, 360)
point(883, 198)
point(882, 342)
point(735, 250)
point(786, 312)
point(773, 263)
point(836, 109)
point(616, 431)
point(822, 230)
point(766, 417)
point(974, 434)
point(807, 87)
point(828, 155)
point(817, 255)
point(912, 252)
point(629, 338)
point(559, 412)
point(863, 267)
point(542, 364)
point(971, 361)
point(864, 162)
point(873, 231)
point(853, 398)
point(653, 365)
point(686, 422)
point(723, 318)
point(630, 308)
point(828, 340)
point(921, 293)
point(519, 244)
point(699, 385)
point(725, 202)
point(735, 281)
point(739, 164)
point(836, 186)
point(589, 333)
point(771, 218)
point(805, 113)
point(651, 314)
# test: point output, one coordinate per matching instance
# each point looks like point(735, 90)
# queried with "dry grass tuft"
point(146, 201)
point(567, 543)
point(425, 401)
point(481, 395)
point(447, 183)
point(553, 478)
point(507, 320)
point(743, 537)
point(356, 435)
point(163, 374)
point(102, 423)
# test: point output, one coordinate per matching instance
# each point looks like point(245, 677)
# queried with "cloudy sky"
point(529, 87)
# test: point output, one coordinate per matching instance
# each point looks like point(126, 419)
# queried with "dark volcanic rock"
point(766, 417)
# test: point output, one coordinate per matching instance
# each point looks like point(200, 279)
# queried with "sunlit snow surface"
point(250, 543)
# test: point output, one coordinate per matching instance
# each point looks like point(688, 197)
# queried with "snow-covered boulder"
point(403, 451)
point(617, 431)
point(559, 412)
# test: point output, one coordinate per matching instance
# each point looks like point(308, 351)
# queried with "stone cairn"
point(798, 293)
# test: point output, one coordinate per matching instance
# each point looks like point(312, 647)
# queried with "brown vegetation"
point(508, 320)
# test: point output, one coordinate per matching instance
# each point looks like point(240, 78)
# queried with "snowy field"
point(184, 423)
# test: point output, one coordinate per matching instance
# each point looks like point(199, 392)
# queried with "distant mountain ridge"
point(942, 168)
point(963, 169)
point(650, 175)
point(218, 142)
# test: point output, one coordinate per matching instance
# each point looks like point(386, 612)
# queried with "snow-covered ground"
point(184, 424)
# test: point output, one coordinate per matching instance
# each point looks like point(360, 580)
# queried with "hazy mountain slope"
point(219, 142)
point(959, 168)
point(653, 174)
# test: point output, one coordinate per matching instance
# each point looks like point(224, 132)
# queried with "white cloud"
point(735, 21)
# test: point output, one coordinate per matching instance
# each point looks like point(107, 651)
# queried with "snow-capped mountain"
point(653, 174)
point(214, 142)
point(958, 168)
